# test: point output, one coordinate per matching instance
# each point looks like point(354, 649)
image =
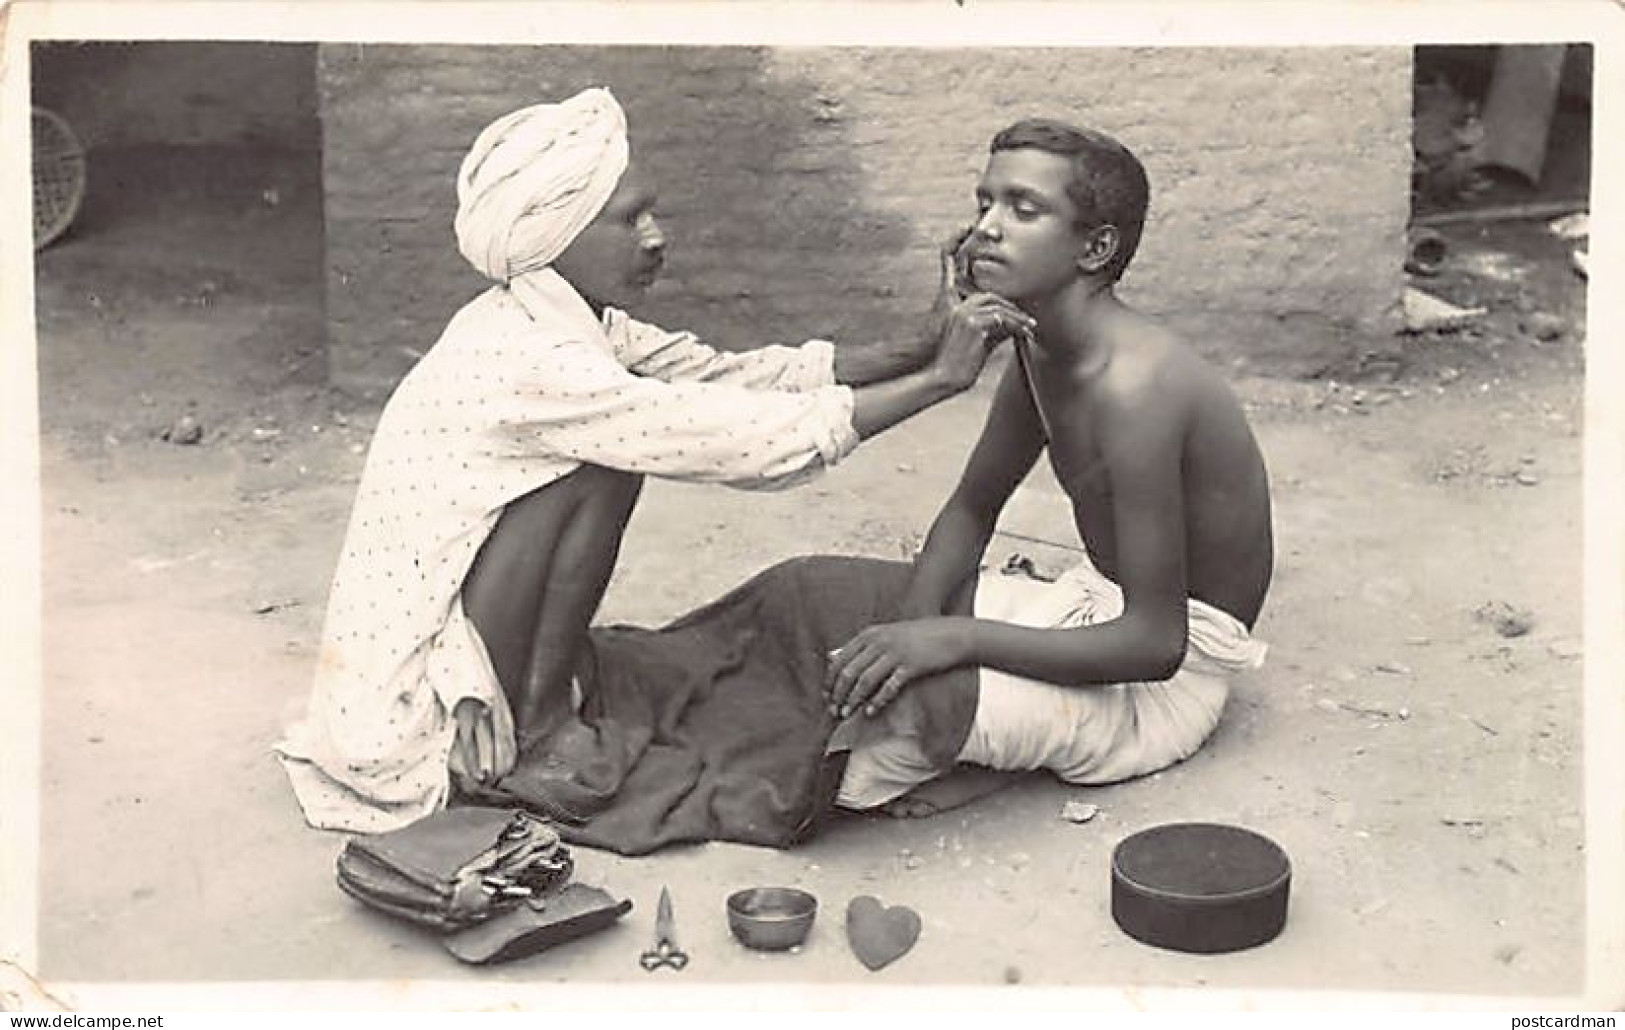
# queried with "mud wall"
point(803, 190)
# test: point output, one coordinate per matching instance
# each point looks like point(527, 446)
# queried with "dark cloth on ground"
point(715, 726)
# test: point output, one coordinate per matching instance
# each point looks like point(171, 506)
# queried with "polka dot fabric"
point(524, 386)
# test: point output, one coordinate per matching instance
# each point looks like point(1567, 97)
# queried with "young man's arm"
point(1141, 442)
point(1140, 438)
point(1010, 444)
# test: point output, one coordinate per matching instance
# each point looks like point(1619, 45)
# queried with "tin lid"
point(1200, 887)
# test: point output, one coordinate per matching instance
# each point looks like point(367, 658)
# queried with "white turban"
point(535, 178)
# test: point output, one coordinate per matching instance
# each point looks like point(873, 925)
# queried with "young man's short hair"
point(1109, 185)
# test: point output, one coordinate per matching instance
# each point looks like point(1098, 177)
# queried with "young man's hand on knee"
point(876, 664)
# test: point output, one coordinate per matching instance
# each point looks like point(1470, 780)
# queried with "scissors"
point(664, 951)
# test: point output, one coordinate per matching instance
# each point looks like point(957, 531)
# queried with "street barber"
point(506, 465)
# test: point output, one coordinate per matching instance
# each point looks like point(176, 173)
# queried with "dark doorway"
point(1502, 125)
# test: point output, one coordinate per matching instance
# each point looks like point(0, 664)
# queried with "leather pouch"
point(456, 868)
point(537, 924)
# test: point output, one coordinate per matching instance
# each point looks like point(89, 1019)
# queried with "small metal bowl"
point(771, 918)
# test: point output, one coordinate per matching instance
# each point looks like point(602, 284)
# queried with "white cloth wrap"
point(535, 178)
point(1087, 734)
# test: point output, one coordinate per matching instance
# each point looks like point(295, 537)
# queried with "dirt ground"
point(1414, 741)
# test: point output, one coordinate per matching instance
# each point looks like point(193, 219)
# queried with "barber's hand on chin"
point(874, 666)
point(972, 329)
point(953, 286)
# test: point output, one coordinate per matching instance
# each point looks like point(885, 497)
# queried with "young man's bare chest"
point(1072, 444)
point(1083, 474)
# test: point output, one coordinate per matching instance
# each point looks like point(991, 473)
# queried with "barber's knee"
point(613, 486)
point(586, 485)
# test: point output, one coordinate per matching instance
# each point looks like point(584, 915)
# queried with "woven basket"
point(59, 176)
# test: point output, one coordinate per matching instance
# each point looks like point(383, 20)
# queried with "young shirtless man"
point(1121, 666)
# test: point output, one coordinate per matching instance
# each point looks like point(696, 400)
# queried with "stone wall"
point(803, 190)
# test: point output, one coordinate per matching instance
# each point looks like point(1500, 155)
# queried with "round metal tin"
point(1200, 887)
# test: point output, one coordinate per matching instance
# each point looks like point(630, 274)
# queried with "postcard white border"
point(922, 23)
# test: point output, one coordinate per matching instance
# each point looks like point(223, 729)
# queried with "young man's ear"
point(1099, 250)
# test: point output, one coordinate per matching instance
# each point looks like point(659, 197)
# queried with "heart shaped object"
point(879, 935)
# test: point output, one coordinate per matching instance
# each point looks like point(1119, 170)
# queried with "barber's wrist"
point(860, 365)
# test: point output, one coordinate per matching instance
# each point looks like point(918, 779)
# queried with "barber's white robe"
point(507, 401)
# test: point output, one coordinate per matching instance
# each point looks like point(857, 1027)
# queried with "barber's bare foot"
point(537, 727)
point(964, 784)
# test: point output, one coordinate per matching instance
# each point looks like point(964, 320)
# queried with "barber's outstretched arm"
point(973, 328)
point(964, 328)
point(878, 362)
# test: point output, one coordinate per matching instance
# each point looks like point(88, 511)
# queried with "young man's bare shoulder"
point(1150, 367)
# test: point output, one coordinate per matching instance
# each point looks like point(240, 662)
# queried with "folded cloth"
point(714, 727)
point(575, 910)
point(1089, 734)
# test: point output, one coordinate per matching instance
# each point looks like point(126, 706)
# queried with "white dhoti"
point(1084, 734)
